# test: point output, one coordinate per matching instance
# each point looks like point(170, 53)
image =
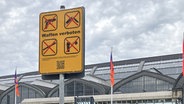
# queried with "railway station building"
point(148, 80)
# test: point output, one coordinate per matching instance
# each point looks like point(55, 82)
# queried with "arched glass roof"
point(144, 81)
point(77, 87)
point(26, 91)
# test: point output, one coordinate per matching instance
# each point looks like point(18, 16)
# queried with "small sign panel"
point(61, 41)
point(84, 100)
point(49, 47)
point(49, 22)
point(72, 19)
point(72, 45)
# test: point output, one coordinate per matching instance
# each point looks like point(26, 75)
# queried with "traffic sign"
point(61, 41)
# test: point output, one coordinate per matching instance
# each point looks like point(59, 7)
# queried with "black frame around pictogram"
point(72, 45)
point(72, 19)
point(44, 50)
point(49, 23)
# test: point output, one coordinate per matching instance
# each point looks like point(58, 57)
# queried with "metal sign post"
point(61, 89)
point(61, 80)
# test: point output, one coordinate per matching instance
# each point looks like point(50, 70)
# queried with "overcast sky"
point(134, 28)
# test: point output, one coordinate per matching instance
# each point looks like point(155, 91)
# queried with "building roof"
point(116, 63)
point(124, 70)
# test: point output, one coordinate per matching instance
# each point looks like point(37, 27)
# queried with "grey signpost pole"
point(61, 89)
point(61, 80)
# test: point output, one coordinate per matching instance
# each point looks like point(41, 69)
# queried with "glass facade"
point(25, 92)
point(77, 88)
point(170, 68)
point(145, 84)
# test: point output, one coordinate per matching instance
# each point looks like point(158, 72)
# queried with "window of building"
point(145, 84)
point(78, 88)
point(25, 92)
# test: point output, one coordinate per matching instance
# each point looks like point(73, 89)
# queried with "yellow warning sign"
point(72, 45)
point(61, 41)
point(49, 22)
point(72, 19)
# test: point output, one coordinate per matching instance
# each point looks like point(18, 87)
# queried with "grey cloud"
point(134, 28)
